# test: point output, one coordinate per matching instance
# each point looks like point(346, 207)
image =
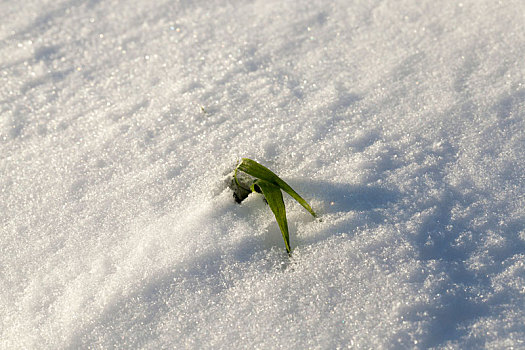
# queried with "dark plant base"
point(240, 190)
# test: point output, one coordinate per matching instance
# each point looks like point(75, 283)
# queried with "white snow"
point(401, 122)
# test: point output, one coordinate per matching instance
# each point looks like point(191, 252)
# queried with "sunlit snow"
point(401, 122)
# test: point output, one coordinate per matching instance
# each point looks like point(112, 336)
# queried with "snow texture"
point(401, 122)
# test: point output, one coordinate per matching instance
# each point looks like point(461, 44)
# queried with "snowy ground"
point(401, 122)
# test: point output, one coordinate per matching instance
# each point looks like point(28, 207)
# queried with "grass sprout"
point(264, 181)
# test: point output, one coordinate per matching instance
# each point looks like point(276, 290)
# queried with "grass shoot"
point(270, 185)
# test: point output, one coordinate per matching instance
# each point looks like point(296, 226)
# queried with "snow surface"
point(401, 122)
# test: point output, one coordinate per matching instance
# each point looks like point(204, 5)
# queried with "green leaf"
point(255, 169)
point(274, 197)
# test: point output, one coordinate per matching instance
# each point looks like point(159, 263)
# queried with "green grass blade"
point(274, 197)
point(255, 169)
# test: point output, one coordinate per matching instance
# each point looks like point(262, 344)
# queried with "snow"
point(401, 122)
